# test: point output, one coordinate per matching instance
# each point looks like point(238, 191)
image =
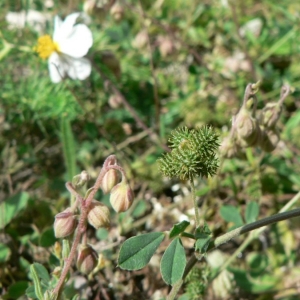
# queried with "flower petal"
point(57, 24)
point(78, 43)
point(57, 67)
point(64, 29)
point(79, 68)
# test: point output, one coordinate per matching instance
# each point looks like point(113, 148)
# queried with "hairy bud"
point(80, 180)
point(110, 179)
point(229, 148)
point(65, 223)
point(269, 140)
point(98, 215)
point(87, 259)
point(117, 11)
point(121, 197)
point(271, 114)
point(247, 128)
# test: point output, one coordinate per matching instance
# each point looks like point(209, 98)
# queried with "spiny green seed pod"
point(271, 114)
point(110, 179)
point(87, 259)
point(121, 197)
point(269, 140)
point(98, 215)
point(65, 223)
point(247, 128)
point(193, 153)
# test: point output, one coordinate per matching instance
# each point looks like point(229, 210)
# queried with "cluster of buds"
point(250, 131)
point(121, 195)
point(88, 210)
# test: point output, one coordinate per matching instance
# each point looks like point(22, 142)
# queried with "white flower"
point(65, 50)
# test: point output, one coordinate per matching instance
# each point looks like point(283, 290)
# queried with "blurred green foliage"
point(177, 63)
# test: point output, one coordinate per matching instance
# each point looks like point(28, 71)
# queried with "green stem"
point(283, 215)
point(68, 145)
point(197, 215)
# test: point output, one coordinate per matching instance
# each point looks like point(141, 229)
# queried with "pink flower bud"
point(87, 259)
point(65, 223)
point(110, 179)
point(121, 197)
point(98, 215)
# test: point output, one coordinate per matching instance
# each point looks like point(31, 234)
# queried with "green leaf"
point(231, 213)
point(4, 253)
point(202, 242)
point(251, 212)
point(139, 209)
point(11, 207)
point(42, 272)
point(203, 191)
point(203, 237)
point(17, 290)
point(173, 262)
point(36, 281)
point(47, 238)
point(137, 251)
point(30, 293)
point(179, 228)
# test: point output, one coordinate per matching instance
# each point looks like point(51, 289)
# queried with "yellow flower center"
point(46, 46)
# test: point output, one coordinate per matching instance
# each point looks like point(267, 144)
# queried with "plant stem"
point(283, 215)
point(197, 215)
point(82, 221)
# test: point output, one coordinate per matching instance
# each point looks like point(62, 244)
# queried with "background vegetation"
point(157, 65)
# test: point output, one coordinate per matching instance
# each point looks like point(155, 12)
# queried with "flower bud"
point(117, 11)
point(121, 197)
point(65, 223)
point(87, 259)
point(247, 128)
point(140, 40)
point(80, 180)
point(269, 140)
point(229, 148)
point(110, 179)
point(271, 114)
point(98, 215)
point(166, 46)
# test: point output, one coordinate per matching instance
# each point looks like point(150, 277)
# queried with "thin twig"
point(154, 137)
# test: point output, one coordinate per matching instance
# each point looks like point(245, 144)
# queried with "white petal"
point(79, 68)
point(58, 67)
point(78, 43)
point(65, 28)
point(57, 24)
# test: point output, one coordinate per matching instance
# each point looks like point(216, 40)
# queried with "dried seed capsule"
point(269, 140)
point(271, 114)
point(247, 128)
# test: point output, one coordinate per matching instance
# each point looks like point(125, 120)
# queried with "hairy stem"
point(260, 225)
point(81, 228)
point(197, 215)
